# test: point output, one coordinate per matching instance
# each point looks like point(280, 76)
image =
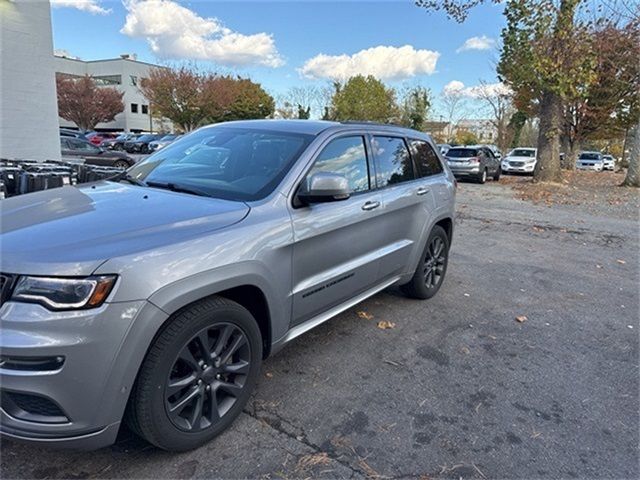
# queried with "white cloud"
point(91, 6)
point(174, 31)
point(456, 87)
point(477, 43)
point(382, 62)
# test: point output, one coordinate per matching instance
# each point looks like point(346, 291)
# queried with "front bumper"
point(592, 167)
point(525, 168)
point(101, 349)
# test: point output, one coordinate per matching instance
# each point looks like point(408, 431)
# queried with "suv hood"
point(72, 230)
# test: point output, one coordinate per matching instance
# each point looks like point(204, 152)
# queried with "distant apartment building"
point(125, 74)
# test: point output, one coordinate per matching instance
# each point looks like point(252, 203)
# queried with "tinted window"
point(426, 159)
point(230, 163)
point(589, 156)
point(393, 163)
point(348, 157)
point(462, 152)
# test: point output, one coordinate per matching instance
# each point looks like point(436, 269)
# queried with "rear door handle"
point(370, 205)
point(422, 191)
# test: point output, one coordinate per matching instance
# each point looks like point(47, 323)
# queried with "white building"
point(125, 74)
point(28, 107)
point(484, 129)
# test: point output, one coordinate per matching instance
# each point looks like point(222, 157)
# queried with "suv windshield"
point(462, 152)
point(230, 163)
point(522, 152)
point(589, 156)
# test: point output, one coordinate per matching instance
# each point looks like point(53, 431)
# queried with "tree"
point(608, 106)
point(304, 113)
point(363, 98)
point(454, 105)
point(465, 137)
point(499, 101)
point(414, 108)
point(250, 101)
point(86, 104)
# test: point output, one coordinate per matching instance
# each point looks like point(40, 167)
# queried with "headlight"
point(64, 293)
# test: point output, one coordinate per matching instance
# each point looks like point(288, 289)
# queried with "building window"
point(145, 109)
point(134, 80)
point(134, 108)
point(108, 80)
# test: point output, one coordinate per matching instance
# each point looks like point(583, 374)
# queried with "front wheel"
point(121, 164)
point(432, 267)
point(197, 376)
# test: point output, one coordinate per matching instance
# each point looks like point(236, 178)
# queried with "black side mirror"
point(324, 187)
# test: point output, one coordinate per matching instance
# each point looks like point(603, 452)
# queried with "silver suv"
point(153, 298)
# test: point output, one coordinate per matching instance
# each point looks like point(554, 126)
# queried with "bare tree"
point(454, 105)
point(498, 99)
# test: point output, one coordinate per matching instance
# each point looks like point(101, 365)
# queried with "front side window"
point(393, 163)
point(426, 158)
point(346, 156)
point(240, 164)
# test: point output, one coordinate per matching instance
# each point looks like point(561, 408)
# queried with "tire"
point(121, 164)
point(482, 178)
point(174, 375)
point(496, 176)
point(418, 286)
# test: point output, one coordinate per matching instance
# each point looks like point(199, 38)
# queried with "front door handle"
point(370, 205)
point(422, 191)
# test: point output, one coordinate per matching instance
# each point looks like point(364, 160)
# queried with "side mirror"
point(324, 187)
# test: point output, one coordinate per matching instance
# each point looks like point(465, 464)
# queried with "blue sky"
point(277, 43)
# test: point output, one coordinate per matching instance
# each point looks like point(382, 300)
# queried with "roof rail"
point(368, 122)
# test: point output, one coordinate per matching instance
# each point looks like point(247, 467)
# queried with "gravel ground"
point(459, 388)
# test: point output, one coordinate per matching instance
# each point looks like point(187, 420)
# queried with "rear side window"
point(346, 156)
point(426, 158)
point(393, 163)
point(462, 153)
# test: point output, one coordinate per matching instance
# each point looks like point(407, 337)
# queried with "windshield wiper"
point(125, 176)
point(178, 188)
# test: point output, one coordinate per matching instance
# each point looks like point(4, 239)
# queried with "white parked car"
point(590, 161)
point(520, 160)
point(609, 162)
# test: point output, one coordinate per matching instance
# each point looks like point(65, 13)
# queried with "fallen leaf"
point(384, 325)
point(365, 315)
point(465, 350)
point(311, 460)
point(521, 318)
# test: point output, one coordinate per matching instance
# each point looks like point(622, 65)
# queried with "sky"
point(282, 44)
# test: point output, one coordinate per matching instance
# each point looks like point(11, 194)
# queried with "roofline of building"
point(110, 60)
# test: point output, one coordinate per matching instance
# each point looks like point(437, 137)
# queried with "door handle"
point(370, 205)
point(422, 191)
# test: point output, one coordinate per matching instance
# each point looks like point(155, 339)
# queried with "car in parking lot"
point(140, 144)
point(155, 296)
point(98, 137)
point(118, 142)
point(78, 148)
point(590, 161)
point(475, 162)
point(609, 162)
point(162, 142)
point(520, 160)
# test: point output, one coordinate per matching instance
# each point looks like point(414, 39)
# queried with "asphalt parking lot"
point(459, 388)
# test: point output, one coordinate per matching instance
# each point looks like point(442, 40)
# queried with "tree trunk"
point(567, 161)
point(548, 166)
point(633, 173)
point(572, 155)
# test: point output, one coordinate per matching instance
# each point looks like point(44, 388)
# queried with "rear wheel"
point(432, 267)
point(496, 176)
point(197, 376)
point(482, 178)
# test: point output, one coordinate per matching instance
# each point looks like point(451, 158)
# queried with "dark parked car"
point(118, 142)
point(75, 147)
point(141, 144)
point(474, 162)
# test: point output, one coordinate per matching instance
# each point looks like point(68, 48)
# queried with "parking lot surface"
point(525, 365)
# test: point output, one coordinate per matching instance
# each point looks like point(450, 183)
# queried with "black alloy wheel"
point(434, 262)
point(207, 377)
